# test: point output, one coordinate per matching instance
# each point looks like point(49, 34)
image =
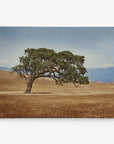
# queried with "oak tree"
point(63, 67)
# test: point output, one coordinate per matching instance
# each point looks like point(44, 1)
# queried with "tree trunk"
point(29, 85)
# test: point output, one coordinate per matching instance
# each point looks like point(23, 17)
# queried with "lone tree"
point(63, 67)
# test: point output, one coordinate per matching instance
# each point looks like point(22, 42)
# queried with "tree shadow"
point(41, 93)
point(79, 92)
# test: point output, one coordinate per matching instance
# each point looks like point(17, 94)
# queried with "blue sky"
point(95, 43)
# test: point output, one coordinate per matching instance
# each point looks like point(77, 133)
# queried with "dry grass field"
point(49, 100)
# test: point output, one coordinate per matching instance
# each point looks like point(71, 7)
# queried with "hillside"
point(12, 82)
point(95, 74)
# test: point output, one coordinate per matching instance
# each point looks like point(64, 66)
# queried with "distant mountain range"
point(101, 74)
point(94, 74)
point(5, 69)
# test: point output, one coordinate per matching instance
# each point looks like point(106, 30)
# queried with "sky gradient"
point(95, 43)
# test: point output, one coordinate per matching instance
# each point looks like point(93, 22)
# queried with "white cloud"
point(3, 63)
point(108, 65)
point(10, 63)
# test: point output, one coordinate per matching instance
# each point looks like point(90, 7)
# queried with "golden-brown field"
point(49, 100)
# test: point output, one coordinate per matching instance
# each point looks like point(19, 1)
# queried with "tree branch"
point(77, 84)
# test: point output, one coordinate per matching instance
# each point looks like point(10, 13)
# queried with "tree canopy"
point(63, 67)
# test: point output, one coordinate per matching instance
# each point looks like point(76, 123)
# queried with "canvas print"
point(56, 72)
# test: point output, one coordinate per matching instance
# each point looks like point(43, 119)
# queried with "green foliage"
point(63, 67)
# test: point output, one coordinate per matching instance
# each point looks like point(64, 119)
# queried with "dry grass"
point(95, 100)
